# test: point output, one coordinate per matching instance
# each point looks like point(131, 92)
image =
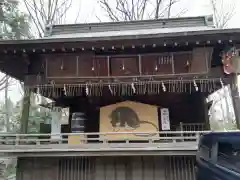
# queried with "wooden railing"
point(100, 144)
point(192, 126)
point(96, 138)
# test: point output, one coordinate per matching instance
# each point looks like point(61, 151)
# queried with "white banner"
point(165, 122)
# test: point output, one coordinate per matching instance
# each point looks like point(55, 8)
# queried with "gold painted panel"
point(129, 116)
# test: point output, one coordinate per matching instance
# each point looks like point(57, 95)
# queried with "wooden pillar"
point(56, 123)
point(25, 111)
point(205, 106)
point(26, 102)
point(235, 98)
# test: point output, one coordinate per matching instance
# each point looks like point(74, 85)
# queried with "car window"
point(229, 156)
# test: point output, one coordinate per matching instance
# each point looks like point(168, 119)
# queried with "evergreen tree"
point(14, 23)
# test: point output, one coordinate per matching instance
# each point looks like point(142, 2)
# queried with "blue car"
point(218, 156)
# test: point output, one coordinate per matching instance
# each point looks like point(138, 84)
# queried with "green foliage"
point(37, 115)
point(14, 24)
point(3, 112)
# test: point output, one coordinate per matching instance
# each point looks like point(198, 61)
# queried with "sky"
point(90, 10)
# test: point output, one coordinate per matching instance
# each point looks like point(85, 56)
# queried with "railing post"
point(60, 139)
point(17, 140)
point(181, 129)
point(104, 139)
point(38, 142)
point(197, 137)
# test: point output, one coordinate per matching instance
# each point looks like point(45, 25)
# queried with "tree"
point(7, 105)
point(47, 12)
point(42, 13)
point(37, 115)
point(14, 25)
point(35, 119)
point(223, 11)
point(128, 10)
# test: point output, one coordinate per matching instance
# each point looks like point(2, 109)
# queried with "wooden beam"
point(14, 66)
point(106, 153)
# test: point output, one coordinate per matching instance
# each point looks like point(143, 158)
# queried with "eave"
point(16, 53)
point(208, 37)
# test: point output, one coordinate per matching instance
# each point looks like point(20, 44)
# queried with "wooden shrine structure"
point(134, 89)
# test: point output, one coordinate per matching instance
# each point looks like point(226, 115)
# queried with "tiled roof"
point(131, 28)
point(198, 28)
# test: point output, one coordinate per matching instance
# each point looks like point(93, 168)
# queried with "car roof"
point(222, 135)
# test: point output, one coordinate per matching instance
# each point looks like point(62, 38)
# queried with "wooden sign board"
point(165, 121)
point(128, 116)
point(76, 139)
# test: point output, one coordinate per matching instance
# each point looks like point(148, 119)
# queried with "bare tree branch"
point(31, 11)
point(129, 10)
point(171, 3)
point(61, 17)
point(158, 2)
point(105, 6)
point(6, 81)
point(222, 12)
point(47, 12)
point(98, 19)
point(78, 13)
point(183, 11)
point(42, 13)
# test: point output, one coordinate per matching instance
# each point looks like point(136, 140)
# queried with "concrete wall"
point(107, 168)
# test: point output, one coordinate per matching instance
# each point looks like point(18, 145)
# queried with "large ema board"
point(132, 117)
